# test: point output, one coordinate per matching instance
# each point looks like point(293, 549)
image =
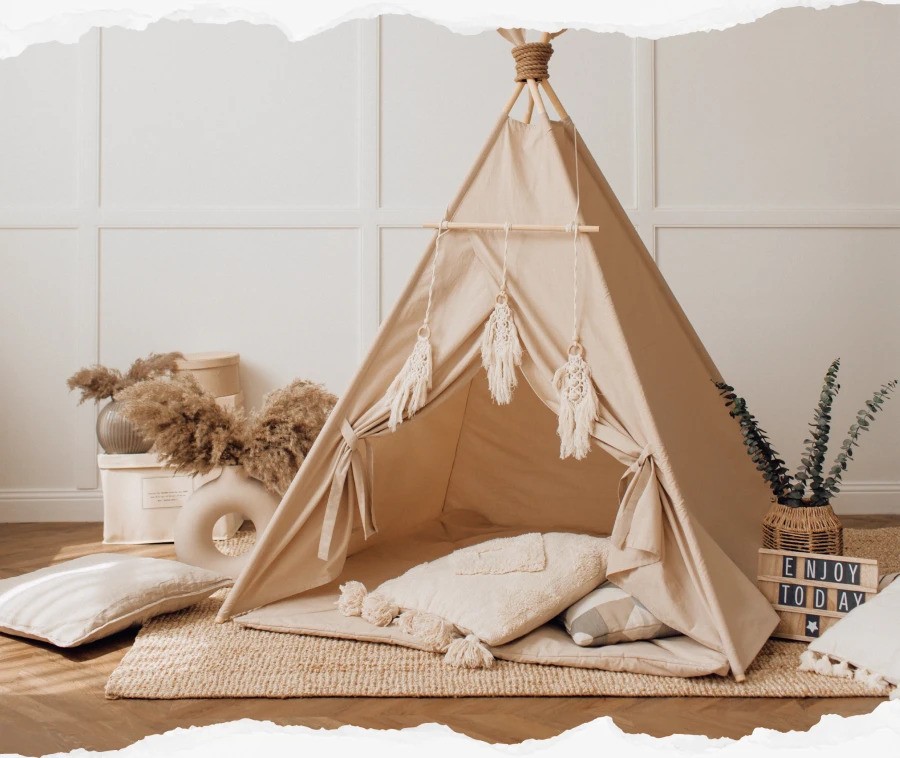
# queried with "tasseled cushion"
point(489, 593)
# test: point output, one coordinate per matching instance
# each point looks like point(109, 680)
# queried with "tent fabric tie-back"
point(353, 464)
point(638, 532)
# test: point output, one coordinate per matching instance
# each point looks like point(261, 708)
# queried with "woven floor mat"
point(188, 655)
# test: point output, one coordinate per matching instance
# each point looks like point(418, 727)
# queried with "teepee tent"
point(666, 474)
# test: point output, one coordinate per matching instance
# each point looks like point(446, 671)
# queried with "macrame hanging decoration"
point(409, 390)
point(501, 350)
point(578, 403)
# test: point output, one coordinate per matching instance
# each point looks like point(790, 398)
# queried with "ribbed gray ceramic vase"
point(116, 433)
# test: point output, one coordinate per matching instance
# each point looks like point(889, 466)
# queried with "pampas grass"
point(191, 432)
point(99, 382)
point(281, 434)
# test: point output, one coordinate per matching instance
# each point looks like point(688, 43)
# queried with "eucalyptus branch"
point(812, 461)
point(808, 487)
point(760, 449)
point(864, 417)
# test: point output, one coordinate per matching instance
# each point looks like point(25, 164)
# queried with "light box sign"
point(811, 592)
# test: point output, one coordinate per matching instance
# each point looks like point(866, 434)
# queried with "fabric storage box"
point(218, 373)
point(142, 499)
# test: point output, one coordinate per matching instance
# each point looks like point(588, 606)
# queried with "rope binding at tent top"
point(532, 59)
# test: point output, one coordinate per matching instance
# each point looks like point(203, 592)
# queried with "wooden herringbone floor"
point(52, 700)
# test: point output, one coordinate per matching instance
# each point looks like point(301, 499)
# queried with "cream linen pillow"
point(609, 615)
point(866, 638)
point(85, 599)
point(486, 594)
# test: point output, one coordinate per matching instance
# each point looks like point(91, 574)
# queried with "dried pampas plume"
point(195, 434)
point(99, 382)
point(190, 430)
point(284, 430)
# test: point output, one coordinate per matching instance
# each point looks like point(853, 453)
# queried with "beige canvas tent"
point(667, 477)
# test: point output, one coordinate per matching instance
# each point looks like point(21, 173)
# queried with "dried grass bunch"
point(99, 382)
point(195, 434)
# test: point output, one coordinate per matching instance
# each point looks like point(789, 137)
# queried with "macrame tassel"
point(409, 389)
point(468, 652)
point(428, 629)
point(350, 602)
point(578, 404)
point(378, 610)
point(501, 351)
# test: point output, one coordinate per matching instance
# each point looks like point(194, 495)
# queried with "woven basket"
point(810, 529)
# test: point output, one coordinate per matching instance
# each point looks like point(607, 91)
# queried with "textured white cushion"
point(868, 637)
point(503, 588)
point(608, 615)
point(88, 598)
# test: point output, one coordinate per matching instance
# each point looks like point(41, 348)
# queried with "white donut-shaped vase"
point(231, 492)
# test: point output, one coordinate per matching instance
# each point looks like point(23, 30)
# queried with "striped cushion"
point(608, 615)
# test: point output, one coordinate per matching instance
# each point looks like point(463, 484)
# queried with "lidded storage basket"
point(218, 373)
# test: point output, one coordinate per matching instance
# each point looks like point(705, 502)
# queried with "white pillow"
point(85, 599)
point(492, 592)
point(866, 638)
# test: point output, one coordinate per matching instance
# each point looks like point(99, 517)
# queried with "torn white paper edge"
point(36, 21)
point(876, 733)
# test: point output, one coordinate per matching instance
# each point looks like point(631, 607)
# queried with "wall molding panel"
point(412, 138)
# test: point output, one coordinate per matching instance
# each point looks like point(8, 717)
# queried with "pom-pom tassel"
point(823, 666)
point(409, 390)
point(578, 404)
point(350, 602)
point(841, 670)
point(808, 661)
point(501, 351)
point(428, 629)
point(468, 652)
point(378, 610)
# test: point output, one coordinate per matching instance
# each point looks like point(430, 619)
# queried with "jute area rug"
point(188, 655)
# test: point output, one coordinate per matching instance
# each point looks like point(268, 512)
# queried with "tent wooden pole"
point(490, 227)
point(561, 111)
point(536, 96)
point(510, 104)
point(529, 108)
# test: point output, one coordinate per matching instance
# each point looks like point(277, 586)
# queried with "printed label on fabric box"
point(166, 491)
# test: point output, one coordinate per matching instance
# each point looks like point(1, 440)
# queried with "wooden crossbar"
point(489, 227)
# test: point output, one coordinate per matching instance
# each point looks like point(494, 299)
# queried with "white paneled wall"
point(216, 187)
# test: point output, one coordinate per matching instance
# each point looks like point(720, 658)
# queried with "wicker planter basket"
point(813, 529)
